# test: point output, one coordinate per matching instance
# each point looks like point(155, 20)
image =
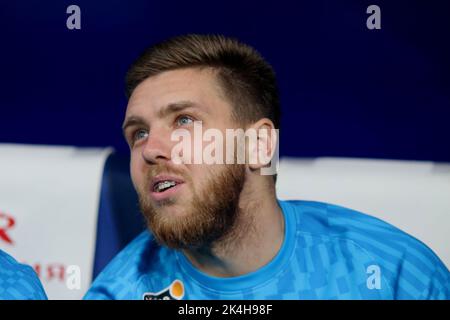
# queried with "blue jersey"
point(328, 252)
point(18, 281)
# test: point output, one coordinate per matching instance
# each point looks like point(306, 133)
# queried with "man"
point(18, 281)
point(217, 231)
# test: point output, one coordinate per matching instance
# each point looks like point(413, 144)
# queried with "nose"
point(157, 148)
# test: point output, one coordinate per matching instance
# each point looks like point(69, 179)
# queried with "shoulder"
point(410, 267)
point(18, 281)
point(121, 276)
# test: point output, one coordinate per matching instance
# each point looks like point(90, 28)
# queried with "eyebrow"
point(132, 121)
point(176, 107)
point(163, 112)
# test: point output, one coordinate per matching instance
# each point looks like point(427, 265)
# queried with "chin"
point(172, 208)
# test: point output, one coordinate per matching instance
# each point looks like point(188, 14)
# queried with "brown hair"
point(247, 80)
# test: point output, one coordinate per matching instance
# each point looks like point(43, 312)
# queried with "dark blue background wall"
point(346, 90)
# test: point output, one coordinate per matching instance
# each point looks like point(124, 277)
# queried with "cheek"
point(194, 174)
point(136, 171)
point(201, 174)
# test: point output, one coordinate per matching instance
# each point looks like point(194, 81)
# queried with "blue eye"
point(140, 134)
point(184, 120)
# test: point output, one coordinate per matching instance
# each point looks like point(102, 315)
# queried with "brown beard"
point(210, 215)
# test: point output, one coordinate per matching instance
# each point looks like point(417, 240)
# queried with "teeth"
point(164, 185)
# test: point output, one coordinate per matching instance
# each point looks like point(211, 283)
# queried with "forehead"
point(192, 84)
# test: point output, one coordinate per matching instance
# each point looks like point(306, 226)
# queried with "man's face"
point(185, 205)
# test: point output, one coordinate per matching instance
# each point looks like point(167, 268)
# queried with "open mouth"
point(164, 185)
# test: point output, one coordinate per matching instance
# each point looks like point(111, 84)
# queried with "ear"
point(261, 144)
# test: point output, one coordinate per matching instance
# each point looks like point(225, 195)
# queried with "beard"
point(210, 215)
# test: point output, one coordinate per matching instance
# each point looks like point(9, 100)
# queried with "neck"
point(254, 240)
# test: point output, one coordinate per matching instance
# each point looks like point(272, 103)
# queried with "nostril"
point(153, 156)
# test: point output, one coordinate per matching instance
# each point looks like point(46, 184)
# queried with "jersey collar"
point(255, 278)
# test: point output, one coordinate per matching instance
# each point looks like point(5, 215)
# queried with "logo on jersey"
point(174, 292)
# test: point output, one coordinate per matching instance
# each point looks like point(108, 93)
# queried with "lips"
point(163, 186)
